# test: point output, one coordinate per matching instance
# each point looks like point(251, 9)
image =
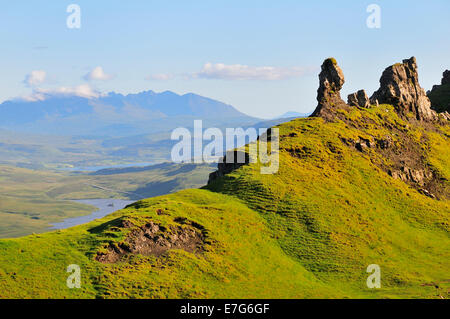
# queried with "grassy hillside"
point(308, 231)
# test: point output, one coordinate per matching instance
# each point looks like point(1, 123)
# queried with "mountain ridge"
point(81, 115)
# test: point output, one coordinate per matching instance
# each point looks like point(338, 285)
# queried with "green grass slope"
point(308, 231)
point(242, 259)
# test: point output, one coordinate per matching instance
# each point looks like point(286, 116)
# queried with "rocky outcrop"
point(399, 86)
point(359, 98)
point(445, 77)
point(445, 115)
point(153, 239)
point(418, 176)
point(232, 161)
point(440, 96)
point(331, 81)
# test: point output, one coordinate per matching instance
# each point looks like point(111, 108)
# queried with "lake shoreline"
point(104, 207)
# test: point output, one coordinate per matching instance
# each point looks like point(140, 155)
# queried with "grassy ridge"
point(336, 212)
point(232, 265)
point(308, 231)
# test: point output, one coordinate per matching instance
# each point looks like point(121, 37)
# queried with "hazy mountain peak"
point(71, 114)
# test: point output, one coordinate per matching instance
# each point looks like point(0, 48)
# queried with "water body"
point(105, 207)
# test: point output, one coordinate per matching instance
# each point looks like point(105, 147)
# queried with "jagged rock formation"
point(446, 77)
point(440, 96)
point(331, 81)
point(359, 98)
point(399, 86)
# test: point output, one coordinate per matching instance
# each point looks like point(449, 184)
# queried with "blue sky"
point(264, 55)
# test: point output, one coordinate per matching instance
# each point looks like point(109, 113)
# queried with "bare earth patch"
point(153, 239)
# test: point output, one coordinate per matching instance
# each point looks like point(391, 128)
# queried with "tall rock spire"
point(331, 81)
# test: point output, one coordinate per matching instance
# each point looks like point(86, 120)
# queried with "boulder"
point(359, 98)
point(399, 86)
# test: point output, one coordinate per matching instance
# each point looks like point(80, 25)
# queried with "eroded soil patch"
point(153, 239)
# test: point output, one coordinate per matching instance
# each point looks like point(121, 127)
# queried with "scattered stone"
point(363, 143)
point(384, 143)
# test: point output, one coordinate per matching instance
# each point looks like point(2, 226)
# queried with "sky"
point(262, 57)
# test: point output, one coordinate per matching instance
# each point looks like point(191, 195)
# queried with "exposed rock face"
point(359, 98)
point(446, 77)
point(417, 177)
point(446, 115)
point(399, 86)
point(440, 96)
point(331, 81)
point(227, 166)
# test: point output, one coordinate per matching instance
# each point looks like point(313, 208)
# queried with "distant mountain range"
point(72, 131)
point(292, 114)
point(116, 114)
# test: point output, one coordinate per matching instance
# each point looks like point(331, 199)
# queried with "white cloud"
point(83, 90)
point(160, 77)
point(35, 78)
point(98, 74)
point(245, 72)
